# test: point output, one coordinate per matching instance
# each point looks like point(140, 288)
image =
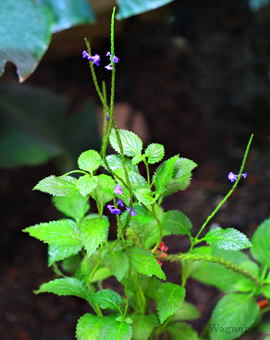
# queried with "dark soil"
point(202, 96)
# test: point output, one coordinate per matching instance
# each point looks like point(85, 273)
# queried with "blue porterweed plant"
point(149, 307)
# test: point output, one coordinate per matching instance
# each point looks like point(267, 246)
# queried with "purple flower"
point(232, 177)
point(113, 210)
point(108, 117)
point(120, 202)
point(109, 67)
point(133, 212)
point(85, 54)
point(118, 190)
point(95, 59)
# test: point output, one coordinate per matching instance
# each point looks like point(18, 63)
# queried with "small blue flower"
point(120, 202)
point(118, 190)
point(113, 210)
point(109, 67)
point(232, 177)
point(133, 212)
point(95, 59)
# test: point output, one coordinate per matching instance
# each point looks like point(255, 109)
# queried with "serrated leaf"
point(176, 222)
point(137, 181)
point(143, 215)
point(58, 186)
point(86, 184)
point(115, 162)
point(137, 159)
point(66, 286)
point(164, 174)
point(58, 253)
point(103, 192)
point(260, 241)
point(134, 7)
point(107, 298)
point(143, 326)
point(25, 33)
point(155, 153)
point(144, 262)
point(94, 231)
point(62, 232)
point(89, 327)
point(117, 262)
point(74, 207)
point(132, 144)
point(228, 239)
point(181, 176)
point(145, 196)
point(234, 310)
point(115, 330)
point(169, 299)
point(89, 161)
point(68, 13)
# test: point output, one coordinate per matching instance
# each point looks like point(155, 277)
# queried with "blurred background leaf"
point(34, 128)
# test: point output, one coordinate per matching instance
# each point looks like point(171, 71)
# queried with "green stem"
point(74, 171)
point(160, 229)
point(227, 196)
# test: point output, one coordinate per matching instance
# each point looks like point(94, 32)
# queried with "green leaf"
point(86, 184)
point(60, 233)
point(145, 196)
point(137, 181)
point(164, 174)
point(89, 161)
point(115, 330)
point(89, 327)
point(68, 13)
point(58, 253)
point(74, 207)
point(155, 153)
point(260, 241)
point(181, 176)
point(187, 312)
point(137, 159)
point(182, 331)
point(71, 264)
point(117, 262)
point(94, 231)
point(144, 262)
point(66, 286)
point(34, 128)
point(176, 222)
point(237, 312)
point(143, 326)
point(107, 298)
point(58, 186)
point(143, 215)
point(133, 7)
point(132, 144)
point(101, 274)
point(169, 299)
point(228, 239)
point(103, 192)
point(115, 162)
point(25, 33)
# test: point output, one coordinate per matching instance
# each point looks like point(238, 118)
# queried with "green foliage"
point(144, 307)
point(228, 239)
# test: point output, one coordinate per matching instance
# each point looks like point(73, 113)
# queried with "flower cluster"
point(119, 190)
point(96, 59)
point(162, 248)
point(232, 177)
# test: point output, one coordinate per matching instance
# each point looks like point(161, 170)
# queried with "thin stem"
point(102, 150)
point(228, 195)
point(160, 228)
